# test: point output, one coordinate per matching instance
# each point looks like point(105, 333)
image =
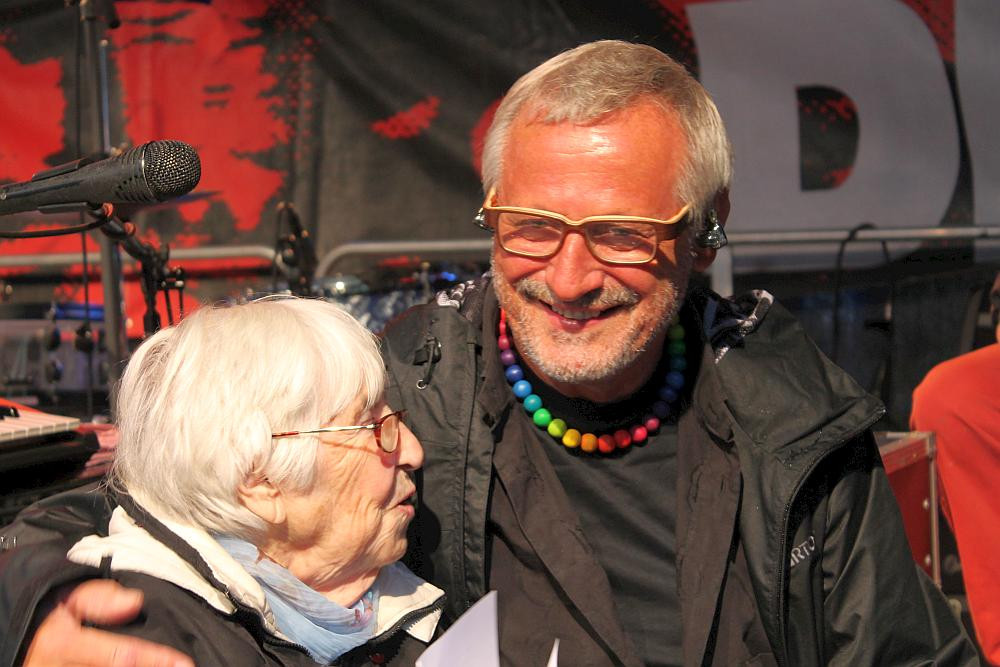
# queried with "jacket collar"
point(495, 397)
point(214, 576)
point(764, 385)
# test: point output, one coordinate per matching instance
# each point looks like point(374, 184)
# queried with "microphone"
point(153, 172)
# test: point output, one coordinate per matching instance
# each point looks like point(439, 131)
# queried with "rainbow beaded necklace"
point(605, 443)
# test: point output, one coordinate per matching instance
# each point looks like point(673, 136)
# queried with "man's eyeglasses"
point(386, 431)
point(616, 239)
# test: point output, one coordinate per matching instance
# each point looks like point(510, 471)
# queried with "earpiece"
point(711, 235)
point(480, 221)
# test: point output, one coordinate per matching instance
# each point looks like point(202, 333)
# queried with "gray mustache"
point(603, 297)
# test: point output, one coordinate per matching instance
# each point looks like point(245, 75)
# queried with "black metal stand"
point(155, 275)
point(296, 250)
point(92, 14)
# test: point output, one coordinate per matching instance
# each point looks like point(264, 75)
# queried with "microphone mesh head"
point(172, 168)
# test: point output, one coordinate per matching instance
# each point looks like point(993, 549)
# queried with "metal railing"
point(354, 249)
point(65, 259)
point(721, 271)
point(722, 268)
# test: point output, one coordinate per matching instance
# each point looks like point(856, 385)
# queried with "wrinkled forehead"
point(628, 163)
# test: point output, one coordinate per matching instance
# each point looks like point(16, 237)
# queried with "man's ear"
point(262, 498)
point(704, 256)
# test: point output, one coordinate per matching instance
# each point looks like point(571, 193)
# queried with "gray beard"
point(574, 365)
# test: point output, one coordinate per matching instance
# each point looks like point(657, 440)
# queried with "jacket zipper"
point(407, 618)
point(780, 588)
point(269, 637)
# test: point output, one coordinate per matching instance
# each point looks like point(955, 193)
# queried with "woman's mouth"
point(406, 505)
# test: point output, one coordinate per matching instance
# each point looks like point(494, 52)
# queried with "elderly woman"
point(263, 490)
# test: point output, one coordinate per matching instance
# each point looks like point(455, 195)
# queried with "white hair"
point(591, 81)
point(198, 402)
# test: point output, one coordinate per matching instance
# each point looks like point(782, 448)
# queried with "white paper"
point(554, 656)
point(472, 640)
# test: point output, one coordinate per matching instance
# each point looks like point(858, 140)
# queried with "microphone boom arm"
point(152, 263)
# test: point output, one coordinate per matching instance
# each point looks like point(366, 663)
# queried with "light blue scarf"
point(323, 627)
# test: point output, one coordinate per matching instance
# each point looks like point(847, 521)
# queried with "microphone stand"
point(297, 251)
point(152, 264)
point(95, 55)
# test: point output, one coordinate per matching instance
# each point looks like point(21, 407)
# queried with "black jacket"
point(785, 517)
point(221, 629)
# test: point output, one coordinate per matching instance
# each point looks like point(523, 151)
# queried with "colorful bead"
point(589, 442)
point(622, 438)
point(542, 417)
point(675, 379)
point(522, 388)
point(571, 438)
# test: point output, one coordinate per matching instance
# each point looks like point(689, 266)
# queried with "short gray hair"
point(596, 79)
point(198, 402)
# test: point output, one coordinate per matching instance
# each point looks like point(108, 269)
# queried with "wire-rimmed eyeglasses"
point(386, 431)
point(616, 239)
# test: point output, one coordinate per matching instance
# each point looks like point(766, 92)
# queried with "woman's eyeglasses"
point(386, 431)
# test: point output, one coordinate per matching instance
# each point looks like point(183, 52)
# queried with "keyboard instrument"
point(21, 423)
point(42, 454)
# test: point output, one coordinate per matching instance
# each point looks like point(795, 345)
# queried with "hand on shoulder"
point(62, 639)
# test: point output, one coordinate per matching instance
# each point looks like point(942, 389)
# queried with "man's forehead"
point(644, 116)
point(547, 112)
point(630, 154)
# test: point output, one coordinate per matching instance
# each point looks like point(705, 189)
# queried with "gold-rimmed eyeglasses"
point(386, 431)
point(616, 239)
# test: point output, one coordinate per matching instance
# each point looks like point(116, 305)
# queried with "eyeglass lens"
point(387, 433)
point(613, 240)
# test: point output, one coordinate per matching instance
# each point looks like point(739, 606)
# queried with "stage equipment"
point(52, 352)
point(155, 276)
point(42, 454)
point(153, 172)
point(908, 458)
point(296, 251)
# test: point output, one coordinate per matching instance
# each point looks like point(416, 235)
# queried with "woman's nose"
point(411, 454)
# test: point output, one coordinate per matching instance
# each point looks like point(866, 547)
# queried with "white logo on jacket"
point(803, 551)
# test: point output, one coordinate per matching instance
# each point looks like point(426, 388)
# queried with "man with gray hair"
point(649, 473)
